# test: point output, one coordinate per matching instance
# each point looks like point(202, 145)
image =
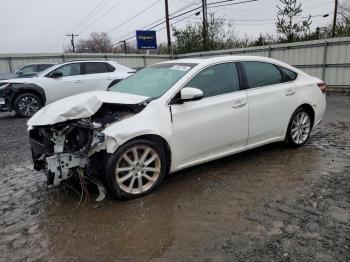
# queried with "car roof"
point(205, 61)
point(209, 60)
point(84, 61)
point(43, 63)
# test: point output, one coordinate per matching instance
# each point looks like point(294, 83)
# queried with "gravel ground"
point(267, 204)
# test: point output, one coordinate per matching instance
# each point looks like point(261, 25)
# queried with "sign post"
point(146, 39)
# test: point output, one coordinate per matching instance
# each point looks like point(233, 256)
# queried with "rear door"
point(272, 98)
point(97, 75)
point(215, 124)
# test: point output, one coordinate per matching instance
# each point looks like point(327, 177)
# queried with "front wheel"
point(135, 169)
point(27, 104)
point(299, 128)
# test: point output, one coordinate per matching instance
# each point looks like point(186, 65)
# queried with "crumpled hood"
point(80, 106)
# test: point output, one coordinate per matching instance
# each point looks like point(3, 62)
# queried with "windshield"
point(153, 81)
point(47, 70)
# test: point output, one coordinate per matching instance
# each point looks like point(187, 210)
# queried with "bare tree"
point(289, 29)
point(97, 43)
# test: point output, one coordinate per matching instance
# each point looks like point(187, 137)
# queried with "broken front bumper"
point(58, 167)
point(4, 105)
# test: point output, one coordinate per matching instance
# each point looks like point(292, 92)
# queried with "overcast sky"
point(42, 25)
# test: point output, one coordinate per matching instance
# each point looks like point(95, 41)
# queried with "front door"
point(70, 83)
point(217, 123)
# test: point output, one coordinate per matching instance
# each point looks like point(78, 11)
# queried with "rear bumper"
point(320, 110)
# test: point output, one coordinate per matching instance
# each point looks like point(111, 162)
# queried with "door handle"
point(290, 92)
point(78, 81)
point(239, 104)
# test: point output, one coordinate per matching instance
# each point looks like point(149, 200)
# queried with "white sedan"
point(174, 115)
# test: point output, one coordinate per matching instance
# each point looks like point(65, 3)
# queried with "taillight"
point(323, 87)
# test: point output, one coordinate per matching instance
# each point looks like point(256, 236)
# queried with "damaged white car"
point(173, 115)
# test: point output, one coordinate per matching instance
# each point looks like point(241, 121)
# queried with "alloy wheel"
point(301, 127)
point(28, 105)
point(138, 169)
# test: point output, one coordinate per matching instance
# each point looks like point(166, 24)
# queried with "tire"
point(299, 128)
point(27, 104)
point(134, 173)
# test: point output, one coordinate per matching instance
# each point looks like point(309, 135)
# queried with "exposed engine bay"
point(66, 149)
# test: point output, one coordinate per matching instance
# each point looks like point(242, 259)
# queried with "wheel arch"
point(28, 88)
point(158, 139)
point(308, 108)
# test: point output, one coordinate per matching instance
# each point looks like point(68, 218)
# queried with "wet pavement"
point(267, 204)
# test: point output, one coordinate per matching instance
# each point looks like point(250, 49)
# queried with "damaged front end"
point(64, 150)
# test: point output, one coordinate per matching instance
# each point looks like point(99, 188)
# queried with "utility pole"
point(72, 40)
point(205, 24)
point(167, 24)
point(335, 17)
point(124, 42)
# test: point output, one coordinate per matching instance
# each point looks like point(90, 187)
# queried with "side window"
point(261, 74)
point(110, 68)
point(95, 68)
point(28, 69)
point(43, 67)
point(216, 80)
point(68, 70)
point(289, 75)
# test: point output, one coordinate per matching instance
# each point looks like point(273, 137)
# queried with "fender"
point(26, 87)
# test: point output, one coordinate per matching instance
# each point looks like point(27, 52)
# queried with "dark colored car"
point(29, 70)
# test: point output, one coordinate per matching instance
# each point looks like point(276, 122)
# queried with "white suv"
point(27, 95)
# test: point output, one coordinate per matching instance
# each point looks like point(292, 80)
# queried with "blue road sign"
point(146, 39)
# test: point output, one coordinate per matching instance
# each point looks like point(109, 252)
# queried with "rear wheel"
point(135, 169)
point(27, 104)
point(299, 128)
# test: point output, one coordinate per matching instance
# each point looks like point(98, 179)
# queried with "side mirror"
point(56, 74)
point(19, 73)
point(189, 94)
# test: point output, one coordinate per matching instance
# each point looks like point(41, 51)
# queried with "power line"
point(189, 11)
point(94, 11)
point(269, 11)
point(133, 17)
point(132, 34)
point(160, 29)
point(101, 16)
point(235, 3)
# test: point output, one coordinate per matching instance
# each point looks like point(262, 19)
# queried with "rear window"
point(96, 68)
point(289, 75)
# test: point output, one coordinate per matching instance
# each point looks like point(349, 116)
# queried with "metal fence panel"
point(326, 59)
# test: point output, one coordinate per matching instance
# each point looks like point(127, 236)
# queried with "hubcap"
point(138, 169)
point(300, 128)
point(28, 105)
